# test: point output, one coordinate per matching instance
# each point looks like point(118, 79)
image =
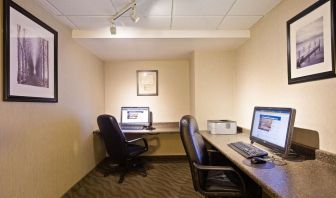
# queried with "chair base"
point(130, 166)
point(140, 169)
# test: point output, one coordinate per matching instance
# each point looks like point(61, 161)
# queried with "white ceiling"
point(164, 15)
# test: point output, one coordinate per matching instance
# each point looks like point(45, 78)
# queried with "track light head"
point(134, 17)
point(113, 28)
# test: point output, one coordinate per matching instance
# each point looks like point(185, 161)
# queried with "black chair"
point(209, 180)
point(120, 150)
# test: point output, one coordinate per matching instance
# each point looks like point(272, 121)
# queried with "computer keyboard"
point(247, 150)
point(130, 127)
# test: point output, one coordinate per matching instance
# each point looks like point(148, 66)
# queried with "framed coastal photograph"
point(30, 57)
point(310, 43)
point(147, 83)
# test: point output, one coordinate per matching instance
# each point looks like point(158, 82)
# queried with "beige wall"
point(214, 82)
point(170, 105)
point(173, 100)
point(192, 83)
point(262, 78)
point(45, 148)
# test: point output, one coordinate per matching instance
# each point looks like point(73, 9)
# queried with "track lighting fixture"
point(134, 17)
point(113, 28)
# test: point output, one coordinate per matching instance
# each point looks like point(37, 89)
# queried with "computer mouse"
point(258, 160)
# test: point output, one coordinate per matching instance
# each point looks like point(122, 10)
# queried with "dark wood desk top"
point(307, 178)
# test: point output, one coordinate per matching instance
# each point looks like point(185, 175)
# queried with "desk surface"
point(309, 178)
point(156, 130)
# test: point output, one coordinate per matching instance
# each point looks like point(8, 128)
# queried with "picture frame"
point(311, 43)
point(30, 57)
point(147, 83)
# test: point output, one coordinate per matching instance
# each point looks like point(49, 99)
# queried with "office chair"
point(209, 180)
point(120, 150)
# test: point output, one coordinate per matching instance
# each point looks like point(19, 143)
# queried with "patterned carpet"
point(165, 179)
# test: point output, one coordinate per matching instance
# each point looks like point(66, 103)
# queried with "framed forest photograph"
point(30, 57)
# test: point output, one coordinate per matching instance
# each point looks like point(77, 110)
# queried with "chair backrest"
point(114, 139)
point(194, 147)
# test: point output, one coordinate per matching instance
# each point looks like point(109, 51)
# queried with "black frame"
point(284, 150)
point(6, 61)
point(157, 82)
point(317, 76)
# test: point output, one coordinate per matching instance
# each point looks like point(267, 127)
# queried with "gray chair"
point(120, 151)
point(209, 180)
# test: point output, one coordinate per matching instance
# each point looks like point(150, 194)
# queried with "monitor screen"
point(273, 127)
point(135, 116)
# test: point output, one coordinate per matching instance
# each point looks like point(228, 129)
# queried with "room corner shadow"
point(305, 142)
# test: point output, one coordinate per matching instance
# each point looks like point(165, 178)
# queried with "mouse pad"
point(267, 165)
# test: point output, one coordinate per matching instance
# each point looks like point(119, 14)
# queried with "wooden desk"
point(163, 141)
point(155, 131)
point(166, 127)
point(309, 178)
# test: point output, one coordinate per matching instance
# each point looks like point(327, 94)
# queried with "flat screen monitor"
point(273, 127)
point(135, 116)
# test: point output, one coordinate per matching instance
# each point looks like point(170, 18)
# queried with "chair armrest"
point(212, 151)
point(134, 140)
point(138, 139)
point(223, 168)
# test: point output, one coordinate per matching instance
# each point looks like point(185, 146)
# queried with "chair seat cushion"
point(218, 181)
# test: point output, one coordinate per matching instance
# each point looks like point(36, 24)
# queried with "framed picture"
point(311, 44)
point(147, 82)
point(30, 57)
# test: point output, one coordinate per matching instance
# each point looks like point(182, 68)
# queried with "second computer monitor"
point(135, 116)
point(273, 127)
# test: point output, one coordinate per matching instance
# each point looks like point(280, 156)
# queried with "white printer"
point(225, 127)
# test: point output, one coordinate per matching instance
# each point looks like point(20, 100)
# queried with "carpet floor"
point(165, 179)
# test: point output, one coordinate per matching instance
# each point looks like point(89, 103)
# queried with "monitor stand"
point(150, 128)
point(291, 156)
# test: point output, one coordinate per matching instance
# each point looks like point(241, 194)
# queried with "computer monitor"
point(135, 116)
point(273, 128)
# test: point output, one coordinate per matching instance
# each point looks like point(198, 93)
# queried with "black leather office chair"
point(120, 150)
point(210, 181)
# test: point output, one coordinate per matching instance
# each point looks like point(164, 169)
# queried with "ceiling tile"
point(51, 8)
point(84, 7)
point(238, 22)
point(67, 22)
point(83, 22)
point(151, 22)
point(147, 7)
point(196, 23)
point(253, 7)
point(154, 7)
point(202, 7)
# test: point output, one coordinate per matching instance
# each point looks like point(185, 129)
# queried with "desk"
point(155, 131)
point(160, 127)
point(309, 178)
point(163, 141)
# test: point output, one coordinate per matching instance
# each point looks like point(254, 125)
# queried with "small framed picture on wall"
point(147, 83)
point(311, 43)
